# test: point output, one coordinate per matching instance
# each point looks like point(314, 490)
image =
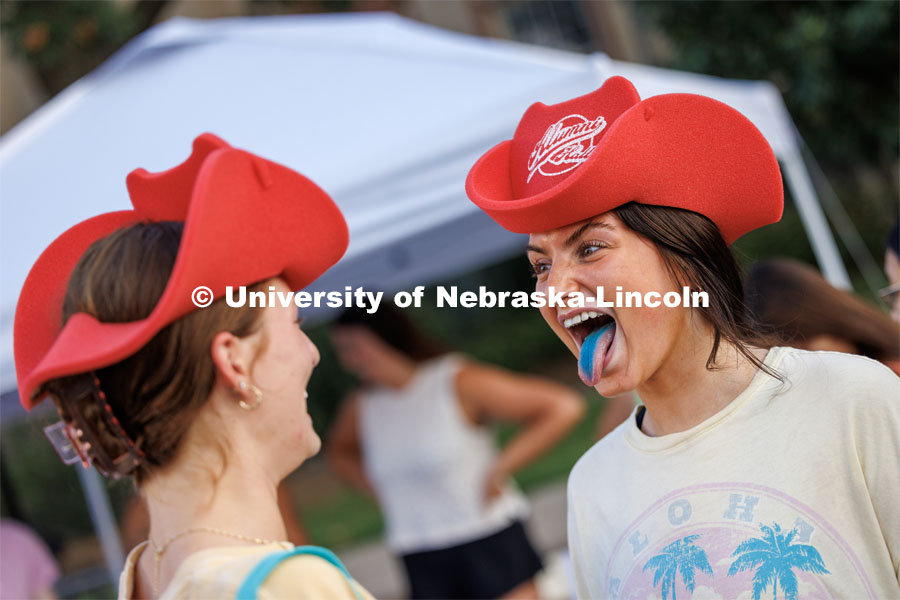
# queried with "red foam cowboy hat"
point(247, 219)
point(583, 157)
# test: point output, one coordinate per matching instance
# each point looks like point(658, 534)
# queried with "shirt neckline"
point(650, 444)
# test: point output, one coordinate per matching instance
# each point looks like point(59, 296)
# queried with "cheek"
point(286, 362)
point(550, 317)
point(650, 333)
point(647, 324)
point(548, 314)
point(299, 350)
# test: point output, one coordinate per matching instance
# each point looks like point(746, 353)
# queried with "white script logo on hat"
point(565, 145)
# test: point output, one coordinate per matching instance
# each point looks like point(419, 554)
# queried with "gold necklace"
point(159, 550)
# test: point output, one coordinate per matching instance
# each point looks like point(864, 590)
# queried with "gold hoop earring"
point(257, 396)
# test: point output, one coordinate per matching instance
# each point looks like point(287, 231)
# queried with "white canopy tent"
point(386, 114)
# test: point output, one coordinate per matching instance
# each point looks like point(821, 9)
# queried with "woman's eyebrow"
point(574, 237)
point(580, 231)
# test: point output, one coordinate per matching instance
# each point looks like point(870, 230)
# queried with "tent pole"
point(814, 222)
point(104, 523)
point(843, 225)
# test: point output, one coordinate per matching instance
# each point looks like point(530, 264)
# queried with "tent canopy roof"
point(384, 113)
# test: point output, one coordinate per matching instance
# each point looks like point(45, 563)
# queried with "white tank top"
point(429, 465)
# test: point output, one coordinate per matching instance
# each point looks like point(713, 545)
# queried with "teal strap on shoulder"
point(255, 578)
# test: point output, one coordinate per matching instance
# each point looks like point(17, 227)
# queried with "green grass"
point(344, 520)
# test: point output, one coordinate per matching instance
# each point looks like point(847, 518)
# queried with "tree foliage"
point(836, 64)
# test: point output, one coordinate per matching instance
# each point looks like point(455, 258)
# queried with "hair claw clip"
point(68, 444)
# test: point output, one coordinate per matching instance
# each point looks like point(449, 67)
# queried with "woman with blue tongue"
point(748, 469)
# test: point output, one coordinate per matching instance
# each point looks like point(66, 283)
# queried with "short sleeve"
point(877, 425)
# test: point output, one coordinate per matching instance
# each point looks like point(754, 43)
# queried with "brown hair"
point(794, 299)
point(156, 392)
point(696, 255)
point(396, 330)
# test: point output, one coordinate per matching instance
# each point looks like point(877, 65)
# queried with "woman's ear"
point(231, 357)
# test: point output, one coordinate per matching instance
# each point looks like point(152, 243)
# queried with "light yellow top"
point(219, 572)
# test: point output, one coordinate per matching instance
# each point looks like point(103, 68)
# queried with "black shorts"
point(484, 568)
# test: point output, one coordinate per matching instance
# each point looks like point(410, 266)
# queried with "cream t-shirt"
point(791, 491)
point(219, 572)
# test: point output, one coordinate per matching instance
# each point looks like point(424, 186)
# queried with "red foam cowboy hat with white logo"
point(247, 219)
point(571, 161)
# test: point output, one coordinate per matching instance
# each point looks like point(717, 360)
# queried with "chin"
point(610, 389)
point(310, 443)
point(302, 447)
point(618, 380)
point(314, 444)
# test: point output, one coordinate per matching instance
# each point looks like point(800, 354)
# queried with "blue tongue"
point(588, 348)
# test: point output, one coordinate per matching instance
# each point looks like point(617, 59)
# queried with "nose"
point(562, 279)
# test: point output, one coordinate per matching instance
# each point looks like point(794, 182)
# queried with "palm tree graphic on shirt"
point(774, 556)
point(681, 556)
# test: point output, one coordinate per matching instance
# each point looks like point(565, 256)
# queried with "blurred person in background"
point(416, 438)
point(891, 293)
point(205, 408)
point(28, 570)
point(748, 467)
point(799, 306)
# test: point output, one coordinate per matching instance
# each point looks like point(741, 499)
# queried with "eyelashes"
point(585, 249)
point(534, 269)
point(587, 244)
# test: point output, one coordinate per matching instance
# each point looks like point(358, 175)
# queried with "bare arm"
point(344, 452)
point(547, 410)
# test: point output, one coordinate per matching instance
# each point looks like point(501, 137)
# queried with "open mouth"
point(593, 333)
point(583, 324)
